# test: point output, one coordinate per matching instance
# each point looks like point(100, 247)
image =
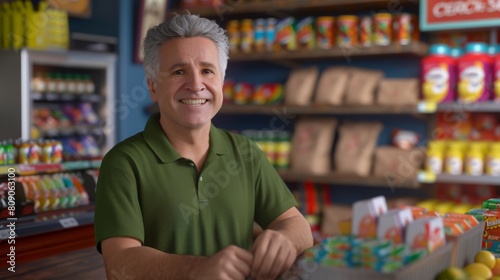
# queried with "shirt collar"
point(155, 137)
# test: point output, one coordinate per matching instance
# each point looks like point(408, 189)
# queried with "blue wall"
point(133, 94)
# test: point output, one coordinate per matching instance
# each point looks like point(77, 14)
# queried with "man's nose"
point(195, 82)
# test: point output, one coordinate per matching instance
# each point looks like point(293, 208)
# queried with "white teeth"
point(193, 101)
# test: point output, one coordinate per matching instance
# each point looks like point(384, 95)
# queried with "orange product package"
point(453, 126)
point(426, 233)
point(464, 224)
point(452, 228)
point(491, 225)
point(415, 210)
point(471, 220)
point(365, 216)
point(391, 224)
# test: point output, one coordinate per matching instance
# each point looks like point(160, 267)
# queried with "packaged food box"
point(391, 225)
point(365, 216)
point(425, 233)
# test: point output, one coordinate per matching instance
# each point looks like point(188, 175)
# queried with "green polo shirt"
point(147, 191)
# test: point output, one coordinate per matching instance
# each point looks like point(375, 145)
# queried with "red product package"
point(453, 126)
point(483, 127)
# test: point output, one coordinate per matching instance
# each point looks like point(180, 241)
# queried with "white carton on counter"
point(425, 233)
point(391, 225)
point(365, 215)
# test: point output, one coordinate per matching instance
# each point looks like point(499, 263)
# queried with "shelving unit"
point(33, 169)
point(430, 178)
point(17, 71)
point(415, 48)
point(49, 222)
point(238, 8)
point(343, 179)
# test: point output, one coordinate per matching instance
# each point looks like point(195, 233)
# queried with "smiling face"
point(189, 85)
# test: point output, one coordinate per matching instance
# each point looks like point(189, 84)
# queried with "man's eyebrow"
point(207, 64)
point(177, 65)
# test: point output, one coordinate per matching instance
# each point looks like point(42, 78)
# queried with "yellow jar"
point(493, 160)
point(435, 157)
point(247, 35)
point(233, 32)
point(474, 159)
point(454, 159)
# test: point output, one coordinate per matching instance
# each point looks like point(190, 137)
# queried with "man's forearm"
point(148, 263)
point(297, 230)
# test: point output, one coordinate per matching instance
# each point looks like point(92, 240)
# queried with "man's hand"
point(273, 254)
point(230, 263)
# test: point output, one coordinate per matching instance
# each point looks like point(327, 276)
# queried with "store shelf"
point(479, 107)
point(342, 179)
point(415, 48)
point(307, 110)
point(77, 129)
point(56, 98)
point(429, 178)
point(243, 7)
point(32, 169)
point(50, 222)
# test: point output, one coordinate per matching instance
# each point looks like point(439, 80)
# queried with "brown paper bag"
point(332, 85)
point(299, 87)
point(361, 87)
point(312, 145)
point(398, 92)
point(355, 147)
point(332, 215)
point(398, 166)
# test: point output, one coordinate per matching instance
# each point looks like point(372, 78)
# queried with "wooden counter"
point(81, 264)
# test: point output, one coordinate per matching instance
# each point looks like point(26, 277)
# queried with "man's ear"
point(152, 90)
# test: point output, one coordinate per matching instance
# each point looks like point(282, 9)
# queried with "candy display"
point(324, 32)
point(245, 93)
point(276, 144)
point(53, 192)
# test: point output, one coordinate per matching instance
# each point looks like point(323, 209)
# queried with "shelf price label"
point(427, 107)
point(426, 177)
point(68, 222)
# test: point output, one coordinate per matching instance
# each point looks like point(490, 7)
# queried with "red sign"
point(450, 11)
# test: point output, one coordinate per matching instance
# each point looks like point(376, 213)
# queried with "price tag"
point(427, 107)
point(426, 177)
point(4, 234)
point(68, 222)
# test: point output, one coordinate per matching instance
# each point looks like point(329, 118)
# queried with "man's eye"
point(179, 72)
point(208, 71)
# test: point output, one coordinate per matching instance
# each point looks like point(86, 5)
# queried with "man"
point(178, 200)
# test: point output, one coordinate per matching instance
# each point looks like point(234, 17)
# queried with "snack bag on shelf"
point(355, 147)
point(365, 216)
point(332, 86)
point(311, 145)
point(299, 87)
point(397, 165)
point(398, 92)
point(426, 233)
point(361, 87)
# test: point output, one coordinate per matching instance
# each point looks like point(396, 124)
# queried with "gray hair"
point(183, 26)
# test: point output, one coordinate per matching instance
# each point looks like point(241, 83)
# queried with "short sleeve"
point(273, 197)
point(117, 208)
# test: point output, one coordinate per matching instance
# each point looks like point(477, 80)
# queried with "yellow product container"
point(233, 32)
point(493, 160)
point(247, 35)
point(17, 30)
point(474, 159)
point(36, 25)
point(454, 158)
point(429, 204)
point(435, 157)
